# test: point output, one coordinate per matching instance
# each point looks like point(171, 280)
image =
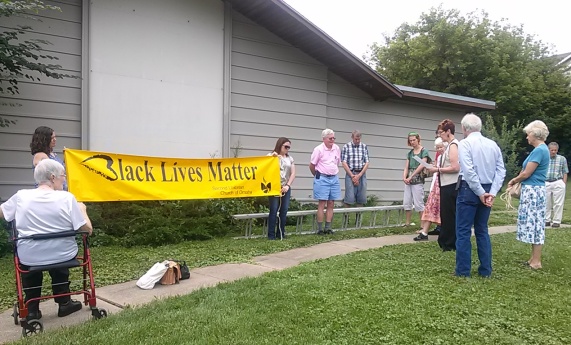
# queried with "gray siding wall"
point(385, 127)
point(47, 102)
point(277, 90)
point(156, 77)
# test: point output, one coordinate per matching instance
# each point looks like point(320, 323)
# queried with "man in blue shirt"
point(482, 170)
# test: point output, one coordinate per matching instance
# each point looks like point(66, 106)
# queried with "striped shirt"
point(356, 156)
point(557, 168)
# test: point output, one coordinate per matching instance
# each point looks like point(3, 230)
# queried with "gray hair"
point(356, 133)
point(538, 129)
point(438, 141)
point(326, 132)
point(554, 144)
point(45, 169)
point(471, 123)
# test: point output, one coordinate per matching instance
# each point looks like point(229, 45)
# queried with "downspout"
point(226, 92)
point(85, 75)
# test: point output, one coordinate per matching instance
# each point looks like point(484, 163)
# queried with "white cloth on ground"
point(153, 275)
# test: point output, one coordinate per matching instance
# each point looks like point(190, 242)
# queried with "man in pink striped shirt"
point(324, 166)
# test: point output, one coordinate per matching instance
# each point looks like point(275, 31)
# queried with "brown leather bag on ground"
point(172, 275)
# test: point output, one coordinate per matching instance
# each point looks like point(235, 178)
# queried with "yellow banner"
point(101, 176)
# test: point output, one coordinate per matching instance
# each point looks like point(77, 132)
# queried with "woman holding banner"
point(281, 203)
point(42, 147)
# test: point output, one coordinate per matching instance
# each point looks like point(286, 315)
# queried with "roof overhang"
point(427, 96)
point(565, 59)
point(285, 22)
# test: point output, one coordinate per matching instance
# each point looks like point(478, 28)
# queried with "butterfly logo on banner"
point(266, 187)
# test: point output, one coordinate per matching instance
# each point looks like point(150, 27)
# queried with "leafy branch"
point(18, 58)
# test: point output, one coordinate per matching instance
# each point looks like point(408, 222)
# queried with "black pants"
point(32, 283)
point(447, 237)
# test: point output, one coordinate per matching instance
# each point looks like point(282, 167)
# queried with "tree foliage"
point(476, 57)
point(508, 139)
point(20, 57)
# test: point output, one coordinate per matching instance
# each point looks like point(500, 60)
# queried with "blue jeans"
point(355, 194)
point(470, 211)
point(281, 204)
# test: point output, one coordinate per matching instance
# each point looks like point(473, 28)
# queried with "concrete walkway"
point(114, 298)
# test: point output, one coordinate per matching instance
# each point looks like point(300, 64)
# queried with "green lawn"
point(114, 265)
point(401, 294)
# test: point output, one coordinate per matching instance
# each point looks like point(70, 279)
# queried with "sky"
point(356, 24)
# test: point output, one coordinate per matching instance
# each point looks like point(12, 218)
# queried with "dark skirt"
point(447, 236)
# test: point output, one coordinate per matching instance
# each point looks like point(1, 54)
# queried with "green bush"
point(508, 139)
point(295, 205)
point(372, 200)
point(156, 223)
point(5, 245)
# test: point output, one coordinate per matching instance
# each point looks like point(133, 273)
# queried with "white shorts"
point(413, 196)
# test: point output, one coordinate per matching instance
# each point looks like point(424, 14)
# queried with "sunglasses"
point(412, 133)
point(287, 147)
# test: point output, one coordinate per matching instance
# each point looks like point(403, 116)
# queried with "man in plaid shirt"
point(355, 160)
point(555, 186)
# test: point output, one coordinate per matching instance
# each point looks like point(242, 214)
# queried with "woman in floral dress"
point(431, 212)
point(533, 201)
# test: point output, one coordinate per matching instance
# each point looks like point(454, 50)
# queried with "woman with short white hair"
point(533, 198)
point(47, 209)
point(431, 213)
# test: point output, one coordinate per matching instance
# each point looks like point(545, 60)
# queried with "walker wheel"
point(33, 327)
point(15, 314)
point(99, 313)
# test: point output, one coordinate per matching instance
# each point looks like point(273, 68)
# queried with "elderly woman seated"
point(46, 210)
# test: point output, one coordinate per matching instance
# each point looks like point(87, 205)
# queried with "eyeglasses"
point(61, 175)
point(287, 147)
point(332, 138)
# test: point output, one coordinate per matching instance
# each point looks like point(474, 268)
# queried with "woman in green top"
point(412, 178)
